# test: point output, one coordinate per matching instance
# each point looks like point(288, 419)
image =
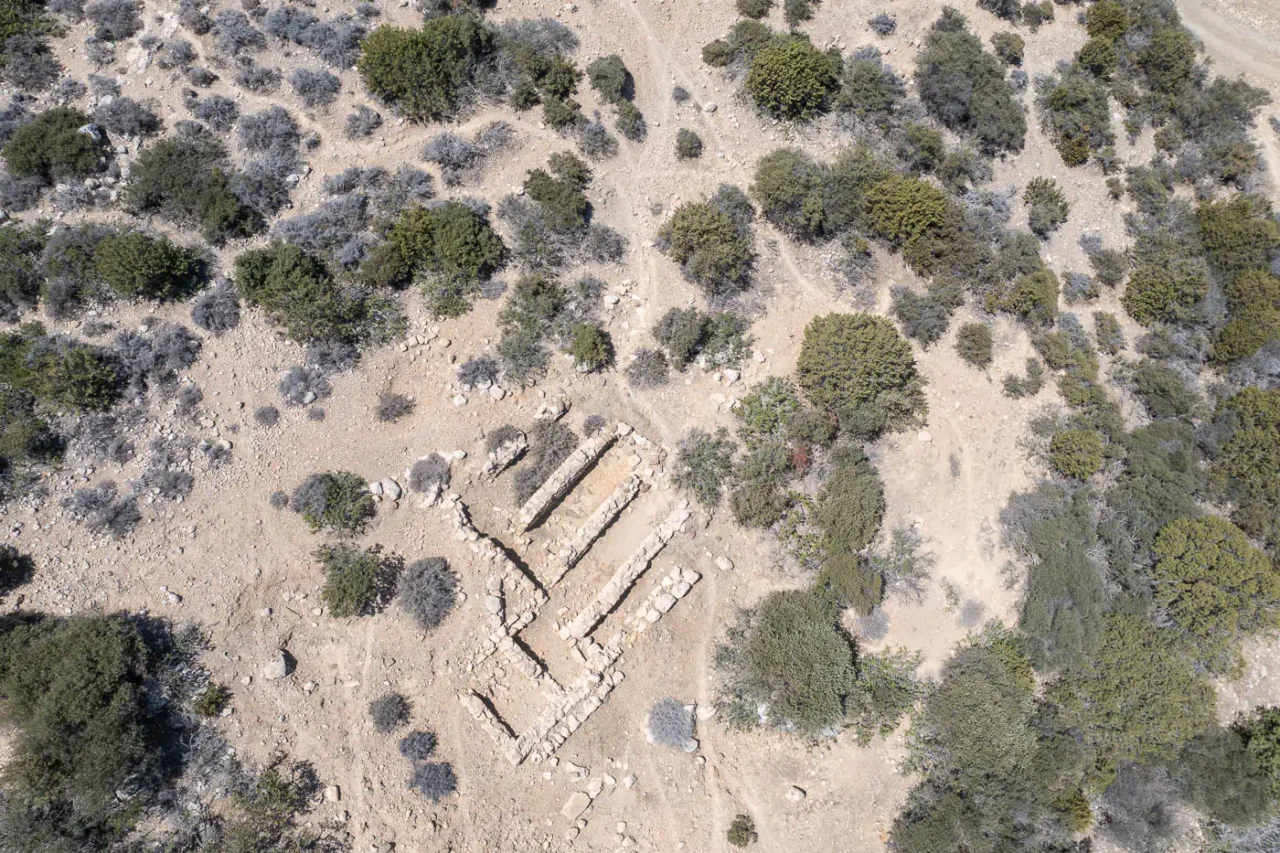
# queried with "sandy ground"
point(244, 570)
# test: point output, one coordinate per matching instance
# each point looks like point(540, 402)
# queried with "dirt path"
point(1238, 48)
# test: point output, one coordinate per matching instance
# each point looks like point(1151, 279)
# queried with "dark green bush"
point(1099, 57)
point(1165, 291)
point(1238, 233)
point(1253, 315)
point(1215, 586)
point(755, 9)
point(848, 361)
point(590, 347)
point(1047, 207)
point(713, 250)
point(1107, 331)
point(61, 373)
point(848, 579)
point(795, 658)
point(1009, 47)
point(187, 179)
point(1261, 732)
point(20, 278)
point(789, 187)
point(52, 148)
point(869, 89)
point(1033, 298)
point(850, 506)
point(357, 582)
point(1162, 390)
point(16, 568)
point(298, 291)
point(631, 123)
point(430, 74)
point(453, 247)
point(920, 147)
point(1219, 775)
point(1029, 385)
point(138, 266)
point(1107, 19)
point(75, 694)
point(1168, 60)
point(336, 500)
point(974, 344)
point(791, 79)
point(611, 79)
point(1249, 467)
point(1137, 666)
point(904, 210)
point(1076, 453)
point(688, 144)
point(964, 87)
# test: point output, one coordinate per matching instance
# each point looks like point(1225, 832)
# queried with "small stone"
point(664, 602)
point(492, 604)
point(709, 107)
point(459, 399)
point(757, 357)
point(924, 435)
point(724, 563)
point(796, 795)
point(496, 392)
point(332, 794)
point(575, 805)
point(629, 782)
point(391, 489)
point(278, 667)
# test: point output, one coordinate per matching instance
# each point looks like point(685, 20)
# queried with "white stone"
point(924, 435)
point(575, 805)
point(724, 563)
point(492, 603)
point(277, 668)
point(664, 602)
point(795, 794)
point(459, 399)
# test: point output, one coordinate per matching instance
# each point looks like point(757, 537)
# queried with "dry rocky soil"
point(224, 558)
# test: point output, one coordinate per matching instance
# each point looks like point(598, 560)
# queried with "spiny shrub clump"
point(138, 266)
point(188, 179)
point(964, 87)
point(357, 582)
point(418, 746)
point(392, 407)
point(789, 78)
point(1076, 453)
point(52, 148)
point(434, 780)
point(704, 465)
point(859, 367)
point(648, 369)
point(789, 657)
point(430, 73)
point(338, 501)
point(451, 246)
point(712, 241)
point(550, 443)
point(427, 590)
point(688, 144)
point(389, 712)
point(1047, 207)
point(430, 472)
point(974, 344)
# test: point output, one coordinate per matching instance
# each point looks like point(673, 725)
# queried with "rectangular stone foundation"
point(566, 476)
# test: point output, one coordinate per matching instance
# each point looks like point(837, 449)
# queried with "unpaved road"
point(1237, 46)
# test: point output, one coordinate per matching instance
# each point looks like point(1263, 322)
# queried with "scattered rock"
point(796, 795)
point(278, 667)
point(576, 805)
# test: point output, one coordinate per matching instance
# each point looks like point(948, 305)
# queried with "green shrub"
point(789, 187)
point(590, 347)
point(1138, 666)
point(212, 701)
point(299, 293)
point(869, 89)
point(758, 503)
point(610, 78)
point(797, 658)
point(141, 267)
point(1107, 331)
point(974, 344)
point(357, 582)
point(887, 688)
point(631, 123)
point(903, 210)
point(765, 413)
point(850, 506)
point(1238, 233)
point(1033, 298)
point(428, 73)
point(850, 581)
point(562, 200)
point(1253, 315)
point(1036, 14)
point(688, 144)
point(1215, 586)
point(187, 179)
point(1099, 57)
point(1249, 468)
point(1168, 60)
point(1047, 207)
point(1029, 385)
point(1218, 774)
point(1076, 453)
point(75, 696)
point(62, 374)
point(1261, 732)
point(850, 361)
point(1162, 391)
point(704, 464)
point(712, 249)
point(1009, 47)
point(52, 148)
point(336, 500)
point(964, 87)
point(453, 247)
point(680, 332)
point(1107, 19)
point(560, 113)
point(921, 147)
point(743, 829)
point(791, 79)
point(20, 277)
point(16, 568)
point(1165, 292)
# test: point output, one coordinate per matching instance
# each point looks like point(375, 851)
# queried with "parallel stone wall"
point(574, 550)
point(567, 475)
point(626, 575)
